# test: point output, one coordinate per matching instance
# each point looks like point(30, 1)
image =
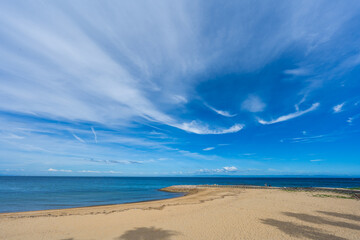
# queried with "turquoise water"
point(40, 193)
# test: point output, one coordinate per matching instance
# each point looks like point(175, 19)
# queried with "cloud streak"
point(78, 138)
point(221, 112)
point(118, 161)
point(297, 72)
point(196, 127)
point(350, 120)
point(95, 136)
point(208, 148)
point(289, 116)
point(316, 160)
point(59, 170)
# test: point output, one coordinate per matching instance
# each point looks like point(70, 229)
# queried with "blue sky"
point(178, 88)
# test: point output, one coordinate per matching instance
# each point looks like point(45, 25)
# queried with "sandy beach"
point(205, 213)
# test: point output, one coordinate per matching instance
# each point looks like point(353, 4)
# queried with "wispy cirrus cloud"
point(13, 136)
point(95, 136)
point(78, 138)
point(83, 52)
point(75, 54)
point(59, 170)
point(221, 112)
point(119, 161)
point(198, 128)
point(338, 108)
point(218, 145)
point(325, 137)
point(289, 116)
point(317, 160)
point(152, 68)
point(297, 72)
point(208, 148)
point(309, 139)
point(351, 119)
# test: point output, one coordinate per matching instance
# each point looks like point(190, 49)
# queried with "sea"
point(41, 193)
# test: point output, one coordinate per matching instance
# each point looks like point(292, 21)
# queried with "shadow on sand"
point(342, 215)
point(300, 231)
point(321, 220)
point(150, 233)
point(297, 230)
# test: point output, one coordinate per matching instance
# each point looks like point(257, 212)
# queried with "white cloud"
point(217, 146)
point(88, 171)
point(297, 72)
point(303, 99)
point(113, 172)
point(119, 161)
point(350, 120)
point(230, 169)
point(196, 127)
point(57, 67)
point(253, 103)
point(95, 136)
point(316, 160)
point(123, 94)
point(115, 74)
point(221, 112)
point(248, 154)
point(78, 138)
point(98, 87)
point(179, 99)
point(290, 116)
point(338, 108)
point(58, 170)
point(208, 148)
point(219, 170)
point(13, 136)
point(329, 137)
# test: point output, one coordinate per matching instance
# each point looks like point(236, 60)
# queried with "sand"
point(208, 213)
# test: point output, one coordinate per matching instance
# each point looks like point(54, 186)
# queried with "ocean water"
point(40, 193)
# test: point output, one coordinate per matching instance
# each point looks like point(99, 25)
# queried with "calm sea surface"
point(40, 193)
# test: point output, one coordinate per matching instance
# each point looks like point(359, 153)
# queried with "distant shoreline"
point(203, 212)
point(56, 211)
point(186, 190)
point(20, 194)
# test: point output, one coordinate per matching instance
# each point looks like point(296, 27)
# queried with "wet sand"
point(205, 213)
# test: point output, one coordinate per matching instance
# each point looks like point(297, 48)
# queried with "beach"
point(204, 213)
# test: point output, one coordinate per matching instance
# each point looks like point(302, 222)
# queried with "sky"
point(179, 88)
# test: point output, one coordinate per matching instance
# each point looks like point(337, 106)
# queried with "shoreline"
point(186, 190)
point(89, 206)
point(54, 212)
point(211, 212)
